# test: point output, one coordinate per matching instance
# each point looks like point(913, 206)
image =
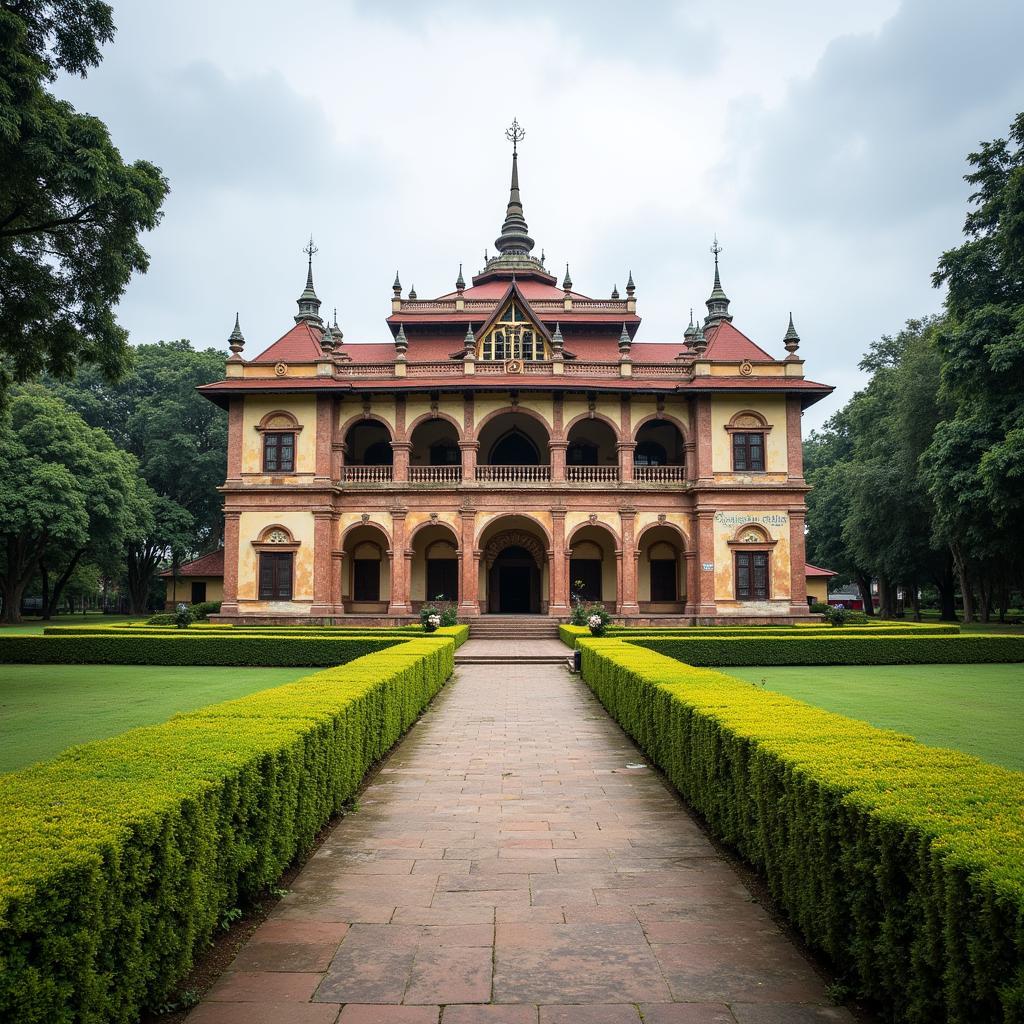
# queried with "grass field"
point(978, 709)
point(36, 626)
point(45, 708)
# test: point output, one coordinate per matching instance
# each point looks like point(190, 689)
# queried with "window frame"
point(273, 445)
point(741, 444)
point(752, 593)
point(276, 591)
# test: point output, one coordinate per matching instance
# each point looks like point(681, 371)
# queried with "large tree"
point(65, 493)
point(975, 463)
point(71, 209)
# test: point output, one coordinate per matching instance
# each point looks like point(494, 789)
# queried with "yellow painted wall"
point(772, 407)
point(381, 406)
point(250, 526)
point(726, 523)
point(214, 589)
point(302, 407)
point(817, 588)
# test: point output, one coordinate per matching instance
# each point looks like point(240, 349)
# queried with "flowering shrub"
point(445, 612)
point(597, 619)
point(183, 616)
point(431, 623)
point(837, 615)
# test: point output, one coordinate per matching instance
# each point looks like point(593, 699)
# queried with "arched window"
point(279, 430)
point(512, 336)
point(749, 430)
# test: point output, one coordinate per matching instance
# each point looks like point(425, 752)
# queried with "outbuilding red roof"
point(206, 565)
point(814, 570)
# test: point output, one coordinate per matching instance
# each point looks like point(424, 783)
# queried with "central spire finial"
point(716, 249)
point(309, 304)
point(717, 302)
point(515, 134)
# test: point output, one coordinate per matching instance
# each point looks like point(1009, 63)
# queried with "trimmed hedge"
point(900, 862)
point(829, 649)
point(120, 857)
point(459, 633)
point(569, 634)
point(182, 647)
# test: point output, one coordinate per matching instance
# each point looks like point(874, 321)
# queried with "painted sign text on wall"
point(731, 520)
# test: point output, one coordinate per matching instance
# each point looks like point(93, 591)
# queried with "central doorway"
point(515, 583)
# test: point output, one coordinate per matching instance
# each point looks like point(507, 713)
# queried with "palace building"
point(512, 443)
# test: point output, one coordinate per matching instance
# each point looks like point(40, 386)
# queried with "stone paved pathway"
point(512, 864)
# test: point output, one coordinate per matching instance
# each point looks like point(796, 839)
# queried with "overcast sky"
point(824, 142)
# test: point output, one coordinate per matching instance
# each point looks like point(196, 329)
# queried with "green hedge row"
point(459, 633)
point(121, 856)
point(901, 863)
point(569, 634)
point(182, 648)
point(830, 649)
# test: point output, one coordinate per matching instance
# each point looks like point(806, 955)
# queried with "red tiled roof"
point(206, 565)
point(530, 287)
point(727, 343)
point(476, 317)
point(813, 570)
point(300, 345)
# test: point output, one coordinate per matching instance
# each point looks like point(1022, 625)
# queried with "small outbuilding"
point(200, 580)
point(817, 583)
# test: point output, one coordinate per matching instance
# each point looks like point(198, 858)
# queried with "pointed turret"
point(460, 281)
point(235, 341)
point(514, 238)
point(690, 333)
point(401, 343)
point(557, 343)
point(630, 287)
point(700, 342)
point(791, 339)
point(469, 344)
point(412, 292)
point(615, 291)
point(309, 304)
point(717, 302)
point(625, 342)
point(567, 280)
point(397, 287)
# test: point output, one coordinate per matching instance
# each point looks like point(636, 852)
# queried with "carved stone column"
point(794, 443)
point(557, 449)
point(629, 605)
point(400, 461)
point(797, 562)
point(229, 605)
point(704, 471)
point(235, 439)
point(469, 566)
point(469, 450)
point(399, 565)
point(706, 568)
point(626, 449)
point(692, 570)
point(323, 562)
point(558, 598)
point(337, 581)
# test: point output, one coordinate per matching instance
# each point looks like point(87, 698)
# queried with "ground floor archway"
point(661, 570)
point(514, 567)
point(366, 570)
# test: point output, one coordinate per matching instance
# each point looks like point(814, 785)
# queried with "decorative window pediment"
point(513, 335)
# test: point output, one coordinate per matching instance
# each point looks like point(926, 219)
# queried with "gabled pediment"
point(513, 331)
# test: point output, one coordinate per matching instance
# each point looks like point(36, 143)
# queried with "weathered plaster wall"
point(726, 524)
point(251, 525)
point(772, 407)
point(302, 407)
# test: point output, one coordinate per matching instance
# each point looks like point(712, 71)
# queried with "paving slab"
point(515, 861)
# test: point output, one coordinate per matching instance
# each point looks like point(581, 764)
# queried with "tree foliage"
point(71, 209)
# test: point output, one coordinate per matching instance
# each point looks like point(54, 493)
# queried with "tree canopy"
point(71, 209)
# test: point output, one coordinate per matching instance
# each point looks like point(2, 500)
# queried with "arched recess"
point(275, 548)
point(661, 569)
point(508, 434)
point(593, 564)
point(279, 419)
point(592, 451)
point(514, 566)
point(368, 442)
point(434, 455)
point(660, 441)
point(435, 564)
point(366, 569)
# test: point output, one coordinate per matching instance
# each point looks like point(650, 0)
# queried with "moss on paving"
point(978, 709)
point(46, 708)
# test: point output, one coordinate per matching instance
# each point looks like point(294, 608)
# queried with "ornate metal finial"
point(397, 287)
point(235, 340)
point(469, 343)
point(412, 292)
point(557, 342)
point(791, 339)
point(615, 291)
point(542, 255)
point(630, 287)
point(401, 342)
point(515, 135)
point(567, 281)
point(309, 304)
point(460, 283)
point(691, 330)
point(700, 342)
point(718, 301)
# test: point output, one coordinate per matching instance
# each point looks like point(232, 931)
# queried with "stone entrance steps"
point(513, 627)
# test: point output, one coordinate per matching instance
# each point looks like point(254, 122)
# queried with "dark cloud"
point(881, 129)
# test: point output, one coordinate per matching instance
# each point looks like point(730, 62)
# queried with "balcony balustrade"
point(592, 474)
point(659, 474)
point(513, 474)
point(435, 474)
point(366, 474)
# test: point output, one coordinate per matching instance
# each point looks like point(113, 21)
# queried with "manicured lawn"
point(975, 708)
point(45, 708)
point(92, 619)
